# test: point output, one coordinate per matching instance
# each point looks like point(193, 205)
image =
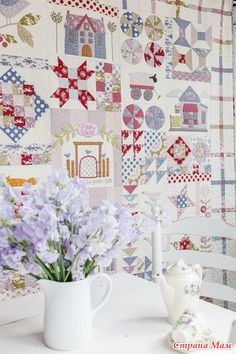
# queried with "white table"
point(134, 321)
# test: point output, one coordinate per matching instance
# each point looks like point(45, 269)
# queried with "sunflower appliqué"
point(185, 244)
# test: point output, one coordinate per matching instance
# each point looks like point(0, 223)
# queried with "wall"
point(130, 95)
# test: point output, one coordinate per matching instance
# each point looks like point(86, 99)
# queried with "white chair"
point(199, 226)
point(232, 336)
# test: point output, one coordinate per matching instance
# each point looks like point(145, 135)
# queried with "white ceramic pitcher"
point(69, 313)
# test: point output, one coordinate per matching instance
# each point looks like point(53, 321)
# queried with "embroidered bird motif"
point(10, 8)
point(67, 156)
point(154, 78)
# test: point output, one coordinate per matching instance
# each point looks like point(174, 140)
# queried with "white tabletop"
point(133, 321)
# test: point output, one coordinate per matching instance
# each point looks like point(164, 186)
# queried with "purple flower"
point(78, 275)
point(48, 256)
point(56, 235)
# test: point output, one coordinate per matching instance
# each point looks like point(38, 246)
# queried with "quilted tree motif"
point(179, 151)
point(73, 83)
point(20, 106)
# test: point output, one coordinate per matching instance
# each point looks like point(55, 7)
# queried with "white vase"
point(69, 313)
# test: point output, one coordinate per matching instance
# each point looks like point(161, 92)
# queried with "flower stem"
point(9, 24)
point(47, 271)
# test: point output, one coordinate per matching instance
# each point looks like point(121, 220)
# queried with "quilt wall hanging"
point(131, 96)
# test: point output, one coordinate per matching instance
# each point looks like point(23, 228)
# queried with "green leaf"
point(55, 144)
point(29, 19)
point(25, 35)
point(70, 126)
point(9, 38)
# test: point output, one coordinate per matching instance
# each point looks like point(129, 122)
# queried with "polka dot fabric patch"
point(92, 5)
point(128, 166)
point(20, 106)
point(151, 138)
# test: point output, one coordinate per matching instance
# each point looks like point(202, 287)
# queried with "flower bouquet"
point(51, 233)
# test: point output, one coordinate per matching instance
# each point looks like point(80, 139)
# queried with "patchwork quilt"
point(129, 95)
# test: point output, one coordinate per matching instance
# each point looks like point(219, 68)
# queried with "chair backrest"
point(199, 226)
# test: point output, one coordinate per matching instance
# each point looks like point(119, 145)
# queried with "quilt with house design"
point(132, 96)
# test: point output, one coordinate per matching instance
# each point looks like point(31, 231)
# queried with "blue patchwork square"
point(201, 36)
point(181, 201)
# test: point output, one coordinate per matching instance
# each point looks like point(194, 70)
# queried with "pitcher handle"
point(198, 270)
point(107, 292)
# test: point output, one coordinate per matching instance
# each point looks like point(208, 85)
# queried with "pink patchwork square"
point(116, 97)
point(100, 86)
point(108, 68)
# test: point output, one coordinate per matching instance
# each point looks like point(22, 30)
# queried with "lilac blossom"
point(49, 231)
